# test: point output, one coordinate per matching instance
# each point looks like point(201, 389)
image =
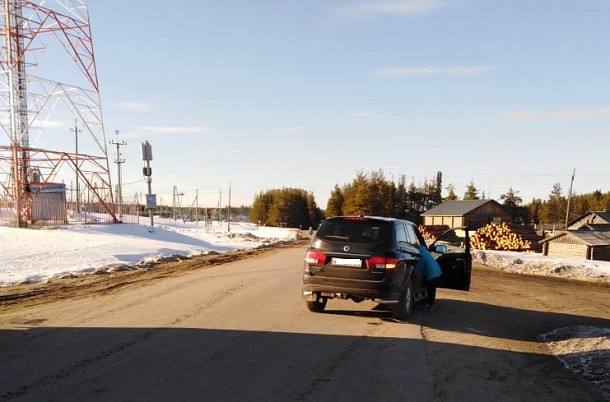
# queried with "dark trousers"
point(431, 290)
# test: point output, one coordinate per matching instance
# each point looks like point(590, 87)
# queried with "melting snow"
point(29, 255)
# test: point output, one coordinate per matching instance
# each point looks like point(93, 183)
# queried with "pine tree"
point(291, 206)
point(512, 202)
point(334, 206)
point(472, 193)
point(451, 196)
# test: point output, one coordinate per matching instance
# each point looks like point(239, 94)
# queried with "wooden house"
point(471, 213)
point(593, 220)
point(579, 244)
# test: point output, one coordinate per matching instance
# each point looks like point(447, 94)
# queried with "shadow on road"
point(207, 364)
point(484, 319)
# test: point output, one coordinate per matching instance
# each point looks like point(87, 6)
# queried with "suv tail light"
point(315, 257)
point(381, 262)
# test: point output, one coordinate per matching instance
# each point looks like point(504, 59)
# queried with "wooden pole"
point(569, 200)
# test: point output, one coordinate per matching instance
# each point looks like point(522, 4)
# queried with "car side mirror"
point(440, 249)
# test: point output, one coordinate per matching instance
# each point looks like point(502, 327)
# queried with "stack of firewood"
point(498, 237)
point(427, 235)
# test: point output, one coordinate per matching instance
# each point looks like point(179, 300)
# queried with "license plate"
point(347, 262)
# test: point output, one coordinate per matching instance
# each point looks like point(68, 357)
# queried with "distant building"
point(579, 244)
point(593, 220)
point(49, 202)
point(471, 213)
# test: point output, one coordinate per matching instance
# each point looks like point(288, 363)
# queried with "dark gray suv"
point(375, 258)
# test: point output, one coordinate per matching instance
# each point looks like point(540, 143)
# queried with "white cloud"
point(289, 130)
point(169, 130)
point(367, 116)
point(37, 124)
point(425, 71)
point(564, 115)
point(582, 134)
point(369, 9)
point(134, 106)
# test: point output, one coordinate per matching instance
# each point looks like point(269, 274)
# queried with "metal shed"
point(579, 244)
point(49, 203)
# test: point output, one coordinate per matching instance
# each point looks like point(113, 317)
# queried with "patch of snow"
point(538, 264)
point(31, 255)
point(585, 350)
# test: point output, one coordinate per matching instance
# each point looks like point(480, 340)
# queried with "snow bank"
point(538, 264)
point(29, 255)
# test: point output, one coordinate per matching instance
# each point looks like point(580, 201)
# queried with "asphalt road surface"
point(240, 331)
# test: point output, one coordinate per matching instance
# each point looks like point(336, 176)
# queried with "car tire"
point(403, 309)
point(318, 305)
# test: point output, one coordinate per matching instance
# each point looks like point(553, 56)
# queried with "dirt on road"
point(17, 297)
point(233, 327)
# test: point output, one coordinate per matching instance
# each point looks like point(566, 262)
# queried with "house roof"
point(588, 237)
point(605, 215)
point(456, 207)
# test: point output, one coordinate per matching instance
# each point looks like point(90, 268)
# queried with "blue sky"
point(282, 93)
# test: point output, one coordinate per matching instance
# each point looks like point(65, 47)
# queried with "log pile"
point(431, 232)
point(498, 237)
point(424, 232)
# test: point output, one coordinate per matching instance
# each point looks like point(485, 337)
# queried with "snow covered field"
point(29, 255)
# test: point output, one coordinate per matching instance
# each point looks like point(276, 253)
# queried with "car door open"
point(452, 252)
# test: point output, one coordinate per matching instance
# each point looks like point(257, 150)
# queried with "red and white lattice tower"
point(28, 28)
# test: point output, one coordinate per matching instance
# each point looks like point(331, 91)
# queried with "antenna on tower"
point(26, 102)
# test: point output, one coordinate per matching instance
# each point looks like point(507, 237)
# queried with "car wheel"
point(403, 309)
point(317, 306)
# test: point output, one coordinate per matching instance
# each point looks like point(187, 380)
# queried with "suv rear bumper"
point(381, 292)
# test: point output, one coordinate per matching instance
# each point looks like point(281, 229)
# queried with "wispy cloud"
point(134, 106)
point(367, 116)
point(364, 10)
point(289, 130)
point(37, 124)
point(426, 71)
point(577, 134)
point(169, 130)
point(564, 115)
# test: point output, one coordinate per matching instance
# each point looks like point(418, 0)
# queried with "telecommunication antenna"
point(26, 101)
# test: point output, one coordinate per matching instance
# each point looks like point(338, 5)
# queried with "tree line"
point(373, 193)
point(553, 209)
point(292, 207)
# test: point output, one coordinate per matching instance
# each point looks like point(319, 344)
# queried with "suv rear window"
point(355, 230)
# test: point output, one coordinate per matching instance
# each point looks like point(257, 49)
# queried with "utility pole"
point(197, 207)
point(75, 131)
point(569, 199)
point(119, 161)
point(220, 208)
point(229, 210)
point(176, 202)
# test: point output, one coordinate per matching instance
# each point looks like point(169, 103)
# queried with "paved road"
point(240, 331)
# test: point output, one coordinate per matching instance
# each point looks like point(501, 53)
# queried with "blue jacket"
point(428, 264)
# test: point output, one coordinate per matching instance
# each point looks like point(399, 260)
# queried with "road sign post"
point(151, 199)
